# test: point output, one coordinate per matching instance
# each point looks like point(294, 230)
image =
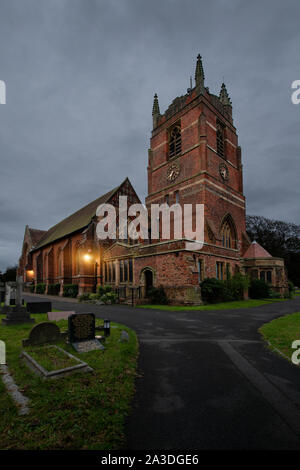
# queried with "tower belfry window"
point(220, 139)
point(175, 142)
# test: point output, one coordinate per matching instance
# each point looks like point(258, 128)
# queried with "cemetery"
point(68, 379)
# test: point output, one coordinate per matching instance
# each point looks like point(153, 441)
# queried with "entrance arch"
point(148, 280)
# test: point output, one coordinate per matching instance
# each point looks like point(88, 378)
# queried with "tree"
point(281, 239)
point(10, 274)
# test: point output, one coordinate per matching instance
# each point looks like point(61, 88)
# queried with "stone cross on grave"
point(15, 314)
point(19, 290)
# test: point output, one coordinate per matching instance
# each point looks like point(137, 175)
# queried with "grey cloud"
point(80, 81)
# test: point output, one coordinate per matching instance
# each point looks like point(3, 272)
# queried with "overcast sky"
point(80, 78)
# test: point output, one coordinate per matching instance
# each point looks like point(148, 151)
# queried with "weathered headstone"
point(7, 294)
point(39, 307)
point(2, 292)
point(19, 290)
point(18, 314)
point(43, 333)
point(82, 332)
point(56, 316)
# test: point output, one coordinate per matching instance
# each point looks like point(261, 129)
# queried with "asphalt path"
point(206, 379)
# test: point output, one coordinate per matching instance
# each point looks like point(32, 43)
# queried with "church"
point(194, 158)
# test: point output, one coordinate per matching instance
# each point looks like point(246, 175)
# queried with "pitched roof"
point(36, 235)
point(255, 250)
point(79, 220)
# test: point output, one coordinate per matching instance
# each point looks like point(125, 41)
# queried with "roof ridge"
point(85, 213)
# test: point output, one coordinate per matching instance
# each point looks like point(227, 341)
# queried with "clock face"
point(224, 171)
point(173, 172)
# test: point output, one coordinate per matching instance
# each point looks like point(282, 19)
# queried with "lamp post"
point(106, 327)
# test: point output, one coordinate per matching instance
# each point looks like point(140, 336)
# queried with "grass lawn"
point(82, 411)
point(220, 306)
point(282, 332)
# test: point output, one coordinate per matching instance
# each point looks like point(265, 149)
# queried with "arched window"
point(228, 233)
point(175, 142)
point(220, 139)
point(60, 262)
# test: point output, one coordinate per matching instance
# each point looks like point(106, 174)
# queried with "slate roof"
point(77, 221)
point(36, 235)
point(255, 250)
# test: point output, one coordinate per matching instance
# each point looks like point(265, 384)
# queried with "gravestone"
point(43, 333)
point(18, 314)
point(56, 316)
point(2, 292)
point(39, 307)
point(82, 332)
point(7, 294)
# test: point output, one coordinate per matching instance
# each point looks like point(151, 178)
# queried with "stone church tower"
point(195, 158)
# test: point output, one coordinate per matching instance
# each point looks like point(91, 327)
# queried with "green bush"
point(109, 298)
point(236, 285)
point(94, 297)
point(40, 288)
point(157, 296)
point(70, 290)
point(274, 295)
point(213, 290)
point(31, 288)
point(101, 290)
point(53, 289)
point(84, 297)
point(259, 289)
point(291, 287)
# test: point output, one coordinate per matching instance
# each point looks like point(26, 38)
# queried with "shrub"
point(213, 290)
point(101, 290)
point(53, 289)
point(84, 297)
point(274, 295)
point(31, 288)
point(70, 290)
point(40, 288)
point(109, 298)
point(291, 287)
point(236, 285)
point(259, 289)
point(157, 296)
point(94, 297)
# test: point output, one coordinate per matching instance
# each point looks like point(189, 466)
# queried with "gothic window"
point(175, 142)
point(126, 270)
point(177, 197)
point(121, 271)
point(60, 262)
point(219, 270)
point(130, 271)
point(228, 234)
point(220, 139)
point(200, 270)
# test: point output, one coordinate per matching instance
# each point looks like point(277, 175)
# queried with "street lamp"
point(106, 327)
